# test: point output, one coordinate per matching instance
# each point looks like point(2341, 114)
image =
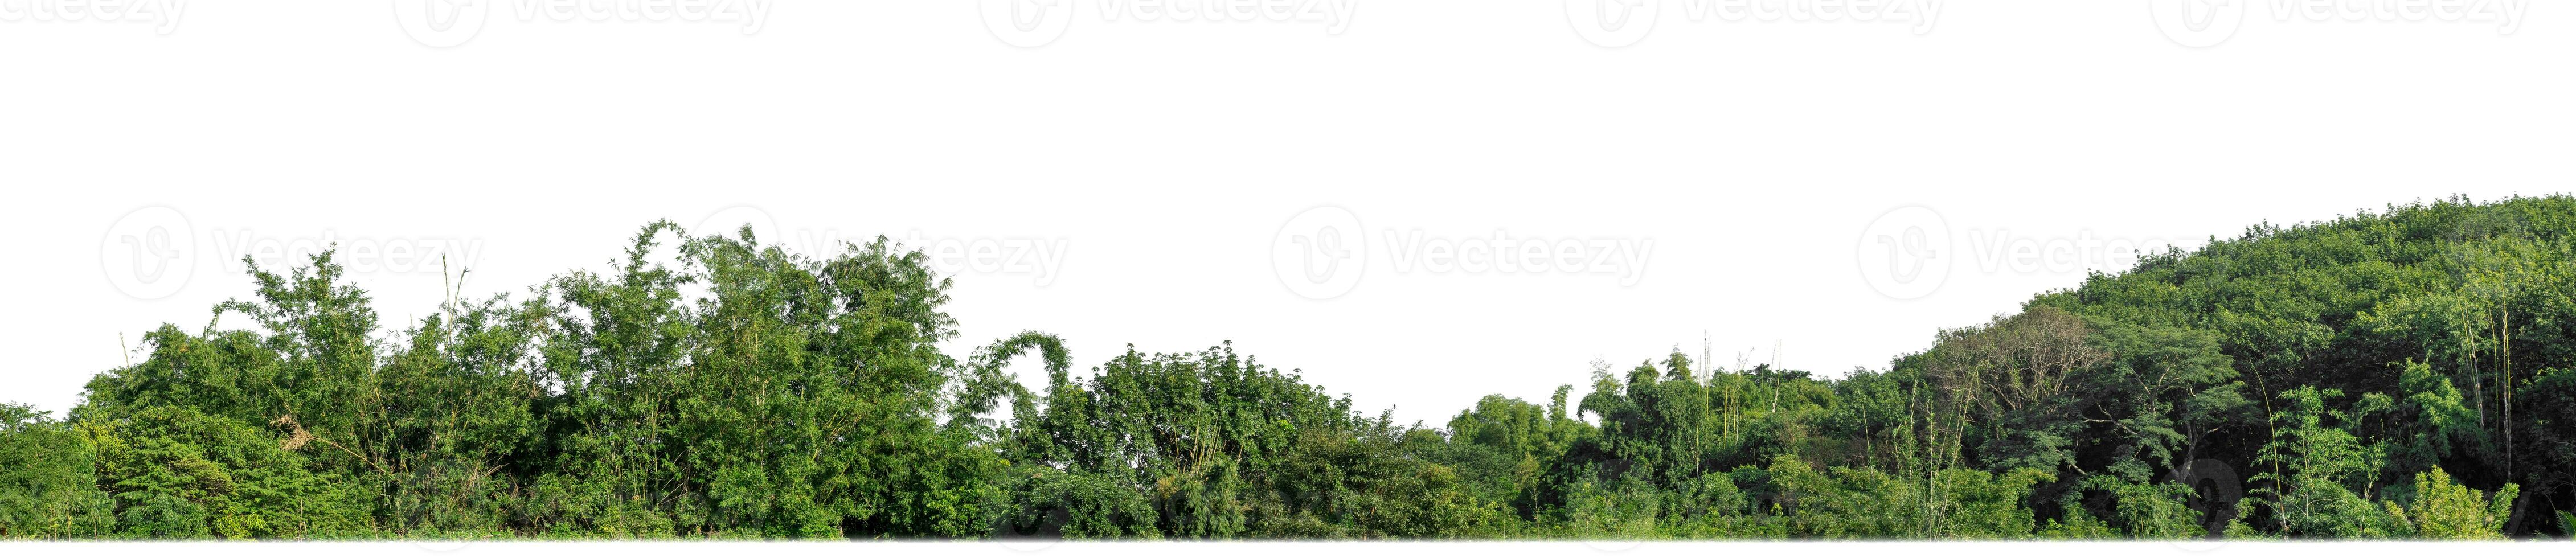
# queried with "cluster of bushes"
point(2403, 374)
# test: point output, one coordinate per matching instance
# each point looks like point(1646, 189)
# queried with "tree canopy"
point(2404, 374)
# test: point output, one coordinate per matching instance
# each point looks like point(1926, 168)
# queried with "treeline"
point(2403, 374)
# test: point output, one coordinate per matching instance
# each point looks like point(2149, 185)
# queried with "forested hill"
point(2399, 374)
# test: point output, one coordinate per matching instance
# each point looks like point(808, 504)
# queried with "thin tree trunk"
point(2506, 350)
point(2477, 380)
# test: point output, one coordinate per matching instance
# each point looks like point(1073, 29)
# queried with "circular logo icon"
point(2198, 23)
point(1027, 23)
point(1613, 546)
point(1905, 254)
point(1612, 23)
point(2215, 488)
point(442, 546)
point(441, 23)
point(150, 253)
point(1029, 544)
point(1319, 254)
point(729, 223)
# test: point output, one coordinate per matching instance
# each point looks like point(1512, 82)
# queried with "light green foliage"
point(2442, 509)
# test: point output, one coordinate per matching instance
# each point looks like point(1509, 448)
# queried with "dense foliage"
point(2404, 374)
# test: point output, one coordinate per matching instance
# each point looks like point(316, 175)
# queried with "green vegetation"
point(2403, 374)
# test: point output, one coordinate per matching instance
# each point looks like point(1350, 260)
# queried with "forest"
point(2408, 373)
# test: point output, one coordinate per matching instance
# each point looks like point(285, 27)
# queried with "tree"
point(2325, 491)
point(2010, 378)
point(2381, 375)
point(48, 479)
point(2442, 509)
point(179, 473)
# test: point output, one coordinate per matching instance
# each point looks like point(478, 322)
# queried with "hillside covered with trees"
point(2406, 374)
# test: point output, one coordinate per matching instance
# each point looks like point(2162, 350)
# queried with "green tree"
point(2442, 509)
point(179, 473)
point(48, 479)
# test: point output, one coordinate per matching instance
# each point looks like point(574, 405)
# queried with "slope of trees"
point(2408, 374)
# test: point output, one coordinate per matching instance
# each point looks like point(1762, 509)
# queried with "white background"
point(1167, 156)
